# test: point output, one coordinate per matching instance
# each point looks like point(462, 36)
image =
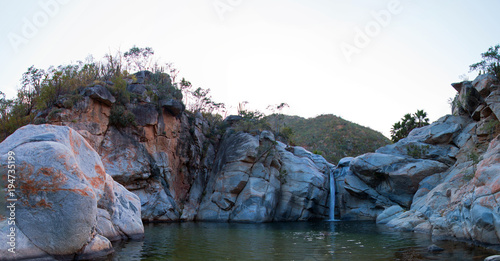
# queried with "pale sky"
point(367, 61)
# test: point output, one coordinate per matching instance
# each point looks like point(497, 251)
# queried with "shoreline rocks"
point(443, 179)
point(62, 194)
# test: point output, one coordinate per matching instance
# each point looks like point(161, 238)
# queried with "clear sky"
point(367, 61)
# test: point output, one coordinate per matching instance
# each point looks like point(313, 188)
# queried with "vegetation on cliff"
point(44, 94)
point(402, 128)
point(331, 136)
point(490, 63)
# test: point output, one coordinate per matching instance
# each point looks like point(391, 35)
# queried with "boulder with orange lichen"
point(66, 203)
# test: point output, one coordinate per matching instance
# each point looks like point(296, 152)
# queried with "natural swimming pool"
point(288, 241)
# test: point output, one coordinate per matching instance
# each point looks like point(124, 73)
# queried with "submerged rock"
point(434, 248)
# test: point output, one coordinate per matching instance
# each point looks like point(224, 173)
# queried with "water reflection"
point(287, 241)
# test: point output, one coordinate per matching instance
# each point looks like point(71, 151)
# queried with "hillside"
point(331, 136)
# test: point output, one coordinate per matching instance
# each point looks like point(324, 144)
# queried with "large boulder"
point(483, 83)
point(440, 132)
point(100, 93)
point(355, 200)
point(256, 179)
point(305, 185)
point(394, 177)
point(172, 106)
point(66, 203)
point(493, 101)
point(145, 114)
point(460, 203)
point(469, 98)
point(369, 184)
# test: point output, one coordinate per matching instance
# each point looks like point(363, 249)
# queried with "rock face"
point(183, 168)
point(256, 179)
point(66, 203)
point(158, 159)
point(442, 179)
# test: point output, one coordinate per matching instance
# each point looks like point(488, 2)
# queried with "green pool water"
point(288, 241)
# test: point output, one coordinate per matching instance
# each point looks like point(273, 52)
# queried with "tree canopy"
point(402, 128)
point(490, 62)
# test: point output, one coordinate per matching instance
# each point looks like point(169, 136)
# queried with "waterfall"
point(332, 196)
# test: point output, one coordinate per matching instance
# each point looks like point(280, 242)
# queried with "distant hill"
point(331, 136)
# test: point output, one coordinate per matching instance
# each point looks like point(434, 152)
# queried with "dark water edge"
point(288, 241)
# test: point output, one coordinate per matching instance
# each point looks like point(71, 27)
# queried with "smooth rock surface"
point(61, 188)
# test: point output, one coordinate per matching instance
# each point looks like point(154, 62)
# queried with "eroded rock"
point(255, 179)
point(61, 186)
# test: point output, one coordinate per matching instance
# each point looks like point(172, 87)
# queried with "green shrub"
point(283, 176)
point(317, 152)
point(119, 91)
point(491, 127)
point(287, 134)
point(417, 151)
point(53, 113)
point(490, 63)
point(474, 157)
point(72, 100)
point(120, 117)
point(39, 121)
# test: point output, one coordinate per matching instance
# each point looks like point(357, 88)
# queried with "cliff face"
point(256, 179)
point(159, 159)
point(181, 169)
point(445, 175)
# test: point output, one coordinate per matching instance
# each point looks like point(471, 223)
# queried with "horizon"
point(368, 63)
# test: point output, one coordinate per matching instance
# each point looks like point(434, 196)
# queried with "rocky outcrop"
point(355, 200)
point(372, 182)
point(463, 204)
point(66, 203)
point(182, 168)
point(101, 94)
point(442, 179)
point(158, 157)
point(256, 179)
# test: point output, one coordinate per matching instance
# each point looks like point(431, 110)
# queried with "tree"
point(172, 71)
point(186, 87)
point(139, 59)
point(31, 88)
point(5, 106)
point(247, 114)
point(421, 119)
point(490, 63)
point(201, 99)
point(278, 110)
point(402, 128)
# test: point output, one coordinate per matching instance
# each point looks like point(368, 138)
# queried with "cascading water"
point(332, 196)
